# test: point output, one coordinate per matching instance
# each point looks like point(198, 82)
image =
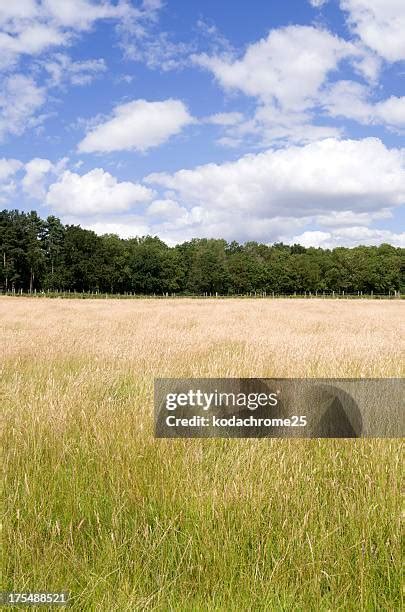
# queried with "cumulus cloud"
point(287, 72)
point(349, 237)
point(93, 193)
point(297, 180)
point(165, 209)
point(353, 101)
point(288, 66)
point(29, 39)
point(392, 111)
point(33, 181)
point(270, 125)
point(348, 218)
point(138, 125)
point(380, 24)
point(20, 99)
point(254, 196)
point(38, 172)
point(8, 168)
point(339, 187)
point(128, 226)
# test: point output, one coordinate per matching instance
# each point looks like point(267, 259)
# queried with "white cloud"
point(18, 10)
point(158, 51)
point(287, 73)
point(317, 3)
point(138, 125)
point(96, 192)
point(392, 111)
point(142, 40)
point(35, 172)
point(368, 65)
point(349, 237)
point(31, 27)
point(8, 168)
point(349, 218)
point(30, 40)
point(165, 209)
point(81, 14)
point(38, 172)
point(130, 226)
point(213, 38)
point(288, 66)
point(348, 99)
point(77, 14)
point(198, 223)
point(152, 5)
point(20, 99)
point(262, 196)
point(61, 68)
point(225, 118)
point(352, 100)
point(341, 187)
point(297, 180)
point(380, 24)
point(270, 125)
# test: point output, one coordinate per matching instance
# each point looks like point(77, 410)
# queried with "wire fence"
point(336, 295)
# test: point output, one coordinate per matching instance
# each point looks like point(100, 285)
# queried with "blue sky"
point(251, 120)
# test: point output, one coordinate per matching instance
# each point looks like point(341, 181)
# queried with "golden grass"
point(95, 505)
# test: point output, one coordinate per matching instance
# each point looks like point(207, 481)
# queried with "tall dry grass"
point(95, 505)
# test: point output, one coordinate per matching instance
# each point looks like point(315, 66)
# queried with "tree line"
point(42, 255)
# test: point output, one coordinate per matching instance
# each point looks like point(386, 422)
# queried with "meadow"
point(93, 504)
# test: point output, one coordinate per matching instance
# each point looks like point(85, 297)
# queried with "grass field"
point(95, 505)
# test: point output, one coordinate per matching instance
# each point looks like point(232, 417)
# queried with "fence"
point(391, 295)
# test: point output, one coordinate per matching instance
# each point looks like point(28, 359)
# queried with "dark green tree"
point(38, 255)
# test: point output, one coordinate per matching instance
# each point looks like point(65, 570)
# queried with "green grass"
point(93, 504)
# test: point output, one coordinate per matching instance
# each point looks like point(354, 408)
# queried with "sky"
point(262, 120)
